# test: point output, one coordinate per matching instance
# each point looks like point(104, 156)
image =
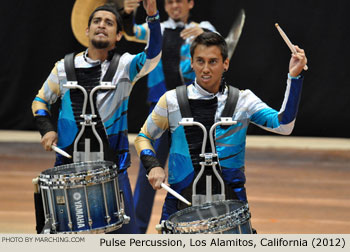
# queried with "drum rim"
point(59, 185)
point(108, 171)
point(98, 230)
point(223, 222)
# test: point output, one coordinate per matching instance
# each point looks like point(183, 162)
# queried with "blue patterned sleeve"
point(281, 122)
point(145, 62)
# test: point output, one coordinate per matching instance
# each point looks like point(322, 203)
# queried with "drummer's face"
point(102, 31)
point(179, 10)
point(209, 66)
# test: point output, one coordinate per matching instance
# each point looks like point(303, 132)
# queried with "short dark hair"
point(111, 8)
point(210, 39)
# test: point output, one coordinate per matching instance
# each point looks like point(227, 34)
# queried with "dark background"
point(35, 34)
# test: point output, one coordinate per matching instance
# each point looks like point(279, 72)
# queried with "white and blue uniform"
point(112, 106)
point(230, 142)
point(176, 69)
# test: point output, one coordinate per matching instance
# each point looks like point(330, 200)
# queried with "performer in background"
point(173, 70)
point(104, 31)
point(207, 96)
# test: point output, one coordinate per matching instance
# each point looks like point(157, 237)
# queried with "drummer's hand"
point(297, 62)
point(150, 7)
point(131, 5)
point(50, 138)
point(192, 31)
point(156, 176)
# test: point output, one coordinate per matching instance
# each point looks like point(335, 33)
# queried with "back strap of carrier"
point(69, 67)
point(112, 68)
point(181, 94)
point(231, 102)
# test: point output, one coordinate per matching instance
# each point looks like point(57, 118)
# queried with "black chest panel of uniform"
point(171, 55)
point(88, 78)
point(203, 111)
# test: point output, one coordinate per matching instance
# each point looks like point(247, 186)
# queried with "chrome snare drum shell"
point(227, 216)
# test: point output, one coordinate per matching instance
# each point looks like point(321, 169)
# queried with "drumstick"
point(62, 152)
point(289, 44)
point(174, 193)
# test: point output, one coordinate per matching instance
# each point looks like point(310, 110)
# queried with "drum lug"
point(48, 227)
point(90, 223)
point(117, 215)
point(70, 225)
point(108, 219)
point(122, 216)
point(122, 205)
point(126, 219)
point(54, 226)
point(163, 228)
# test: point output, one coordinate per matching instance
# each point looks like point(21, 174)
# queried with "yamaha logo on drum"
point(79, 210)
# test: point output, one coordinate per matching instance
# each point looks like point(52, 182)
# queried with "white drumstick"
point(62, 152)
point(289, 44)
point(174, 193)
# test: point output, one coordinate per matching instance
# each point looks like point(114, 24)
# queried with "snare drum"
point(221, 217)
point(82, 198)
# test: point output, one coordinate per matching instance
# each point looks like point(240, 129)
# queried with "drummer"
point(172, 70)
point(104, 32)
point(207, 97)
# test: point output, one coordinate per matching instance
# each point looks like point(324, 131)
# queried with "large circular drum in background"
point(82, 198)
point(221, 217)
